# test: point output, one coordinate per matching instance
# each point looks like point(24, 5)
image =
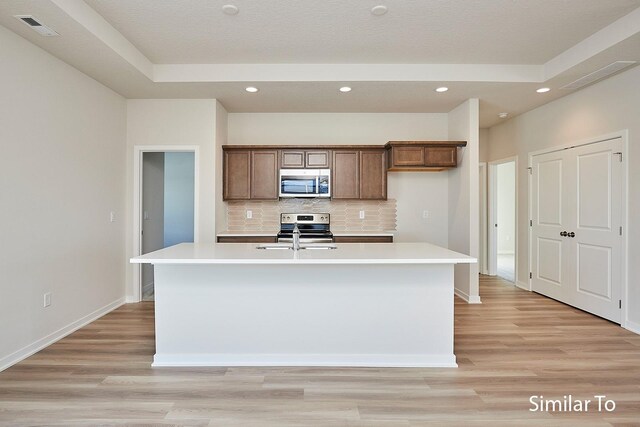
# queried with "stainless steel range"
point(314, 228)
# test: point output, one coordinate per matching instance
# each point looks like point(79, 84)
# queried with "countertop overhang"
point(348, 253)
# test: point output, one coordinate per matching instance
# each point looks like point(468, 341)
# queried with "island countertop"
point(349, 253)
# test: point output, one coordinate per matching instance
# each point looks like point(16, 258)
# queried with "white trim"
point(46, 341)
point(624, 136)
point(469, 299)
point(632, 326)
point(492, 258)
point(483, 256)
point(351, 360)
point(138, 150)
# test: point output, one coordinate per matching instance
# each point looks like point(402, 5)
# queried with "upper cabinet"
point(250, 174)
point(312, 159)
point(359, 174)
point(423, 155)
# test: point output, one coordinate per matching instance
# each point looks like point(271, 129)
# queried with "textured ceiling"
point(122, 44)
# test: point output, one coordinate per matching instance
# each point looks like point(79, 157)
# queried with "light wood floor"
point(516, 344)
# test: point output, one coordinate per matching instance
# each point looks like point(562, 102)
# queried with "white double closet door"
point(577, 244)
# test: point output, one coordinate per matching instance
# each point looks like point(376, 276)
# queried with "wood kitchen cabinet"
point(236, 175)
point(250, 174)
point(312, 159)
point(345, 174)
point(359, 174)
point(373, 175)
point(264, 175)
point(423, 155)
point(247, 239)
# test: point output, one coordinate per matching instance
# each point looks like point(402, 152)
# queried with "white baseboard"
point(522, 285)
point(470, 299)
point(130, 299)
point(38, 345)
point(351, 360)
point(632, 326)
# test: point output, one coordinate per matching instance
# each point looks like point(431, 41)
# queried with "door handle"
point(572, 234)
point(564, 233)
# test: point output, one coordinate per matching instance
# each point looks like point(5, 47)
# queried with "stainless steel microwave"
point(305, 183)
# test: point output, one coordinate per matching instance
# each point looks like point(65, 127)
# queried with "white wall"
point(221, 139)
point(464, 198)
point(174, 122)
point(609, 106)
point(506, 201)
point(179, 174)
point(62, 172)
point(414, 192)
point(153, 208)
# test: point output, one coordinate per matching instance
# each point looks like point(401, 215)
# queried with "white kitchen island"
point(382, 305)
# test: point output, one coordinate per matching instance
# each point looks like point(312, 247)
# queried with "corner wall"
point(464, 199)
point(173, 122)
point(603, 108)
point(62, 169)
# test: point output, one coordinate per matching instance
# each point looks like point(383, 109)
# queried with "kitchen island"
point(382, 305)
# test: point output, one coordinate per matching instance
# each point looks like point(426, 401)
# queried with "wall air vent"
point(36, 26)
point(606, 71)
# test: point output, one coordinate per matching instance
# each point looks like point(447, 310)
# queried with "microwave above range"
point(305, 183)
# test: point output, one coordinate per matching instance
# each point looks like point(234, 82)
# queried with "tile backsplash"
point(379, 215)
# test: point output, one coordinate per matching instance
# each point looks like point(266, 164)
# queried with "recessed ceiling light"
point(543, 90)
point(251, 89)
point(503, 115)
point(345, 89)
point(442, 89)
point(230, 9)
point(379, 10)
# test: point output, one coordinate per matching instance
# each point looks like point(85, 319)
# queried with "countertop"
point(347, 253)
point(274, 233)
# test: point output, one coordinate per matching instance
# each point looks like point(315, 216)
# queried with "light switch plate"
point(249, 214)
point(361, 214)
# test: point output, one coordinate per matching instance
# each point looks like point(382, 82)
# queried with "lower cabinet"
point(363, 239)
point(247, 239)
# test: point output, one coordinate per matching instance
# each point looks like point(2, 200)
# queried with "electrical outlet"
point(249, 214)
point(361, 214)
point(47, 300)
point(425, 214)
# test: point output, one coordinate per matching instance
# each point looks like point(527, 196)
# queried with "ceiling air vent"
point(35, 25)
point(614, 67)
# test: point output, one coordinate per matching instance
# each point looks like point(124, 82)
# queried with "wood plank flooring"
point(514, 345)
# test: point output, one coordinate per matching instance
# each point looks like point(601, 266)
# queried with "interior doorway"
point(502, 219)
point(167, 209)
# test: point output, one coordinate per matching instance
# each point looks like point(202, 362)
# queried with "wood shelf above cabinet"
point(422, 155)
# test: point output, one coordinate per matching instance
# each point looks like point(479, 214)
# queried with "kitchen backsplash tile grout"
point(345, 214)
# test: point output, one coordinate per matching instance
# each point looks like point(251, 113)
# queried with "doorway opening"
point(502, 213)
point(165, 206)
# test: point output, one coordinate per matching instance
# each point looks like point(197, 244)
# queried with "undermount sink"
point(313, 246)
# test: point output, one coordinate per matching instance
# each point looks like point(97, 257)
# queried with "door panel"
point(579, 191)
point(594, 174)
point(550, 260)
point(594, 270)
point(550, 192)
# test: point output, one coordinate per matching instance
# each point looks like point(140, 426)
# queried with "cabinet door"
point(373, 175)
point(345, 175)
point(317, 159)
point(236, 175)
point(407, 156)
point(264, 174)
point(292, 159)
point(440, 156)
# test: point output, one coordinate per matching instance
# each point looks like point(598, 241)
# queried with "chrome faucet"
point(296, 237)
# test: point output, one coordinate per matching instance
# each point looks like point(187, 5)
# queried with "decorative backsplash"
point(379, 215)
